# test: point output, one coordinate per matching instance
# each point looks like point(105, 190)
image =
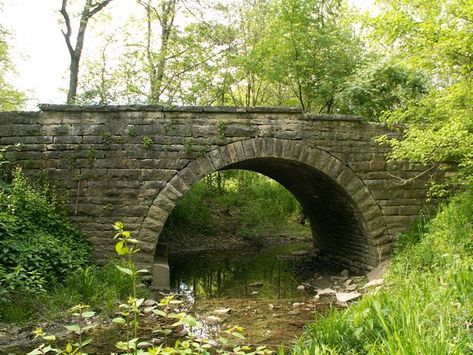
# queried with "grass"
point(103, 288)
point(427, 305)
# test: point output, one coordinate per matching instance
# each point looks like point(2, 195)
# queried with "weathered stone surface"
point(347, 296)
point(134, 163)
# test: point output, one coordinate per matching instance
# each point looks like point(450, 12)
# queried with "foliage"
point(378, 88)
point(310, 48)
point(252, 204)
point(39, 247)
point(100, 287)
point(426, 308)
point(247, 53)
point(437, 37)
point(81, 313)
point(129, 314)
point(10, 98)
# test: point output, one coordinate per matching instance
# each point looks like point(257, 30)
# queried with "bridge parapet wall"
point(113, 161)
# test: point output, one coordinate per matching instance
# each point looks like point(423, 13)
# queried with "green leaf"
point(159, 312)
point(68, 348)
point(139, 302)
point(87, 341)
point(121, 249)
point(238, 335)
point(73, 328)
point(119, 320)
point(122, 345)
point(125, 270)
point(88, 314)
point(118, 225)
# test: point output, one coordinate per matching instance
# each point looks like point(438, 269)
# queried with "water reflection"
point(267, 273)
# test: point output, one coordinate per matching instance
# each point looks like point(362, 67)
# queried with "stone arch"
point(346, 208)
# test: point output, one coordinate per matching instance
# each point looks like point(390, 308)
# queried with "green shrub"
point(193, 209)
point(39, 247)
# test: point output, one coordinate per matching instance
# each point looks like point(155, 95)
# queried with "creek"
point(256, 288)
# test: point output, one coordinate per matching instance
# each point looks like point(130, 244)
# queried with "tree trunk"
point(76, 52)
point(73, 79)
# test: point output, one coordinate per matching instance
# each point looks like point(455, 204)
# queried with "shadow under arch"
point(346, 221)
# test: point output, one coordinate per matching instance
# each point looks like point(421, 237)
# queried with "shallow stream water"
point(259, 288)
point(256, 289)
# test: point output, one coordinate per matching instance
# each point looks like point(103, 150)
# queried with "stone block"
point(240, 150)
point(232, 153)
point(239, 130)
point(161, 276)
point(249, 148)
point(287, 150)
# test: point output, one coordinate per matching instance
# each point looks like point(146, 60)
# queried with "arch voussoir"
point(249, 148)
point(240, 151)
point(259, 149)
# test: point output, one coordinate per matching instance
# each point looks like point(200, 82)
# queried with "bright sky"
point(38, 49)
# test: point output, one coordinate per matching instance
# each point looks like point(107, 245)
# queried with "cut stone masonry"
point(133, 163)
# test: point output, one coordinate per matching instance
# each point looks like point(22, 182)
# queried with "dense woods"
point(409, 63)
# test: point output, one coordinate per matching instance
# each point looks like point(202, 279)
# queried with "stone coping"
point(197, 109)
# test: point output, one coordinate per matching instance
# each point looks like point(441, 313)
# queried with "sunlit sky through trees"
point(38, 50)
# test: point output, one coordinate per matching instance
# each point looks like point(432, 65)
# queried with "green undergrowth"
point(238, 203)
point(39, 246)
point(44, 260)
point(426, 306)
point(100, 287)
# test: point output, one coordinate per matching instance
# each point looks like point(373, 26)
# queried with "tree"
point(310, 47)
point(251, 53)
point(90, 8)
point(245, 83)
point(152, 65)
point(165, 12)
point(10, 98)
point(436, 36)
point(379, 87)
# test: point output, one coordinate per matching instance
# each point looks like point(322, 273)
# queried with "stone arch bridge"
point(133, 163)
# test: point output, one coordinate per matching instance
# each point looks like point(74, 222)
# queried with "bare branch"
point(76, 52)
point(403, 181)
point(98, 7)
point(68, 33)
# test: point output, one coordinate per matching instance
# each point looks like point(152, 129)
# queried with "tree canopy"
point(437, 37)
point(10, 98)
point(411, 63)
